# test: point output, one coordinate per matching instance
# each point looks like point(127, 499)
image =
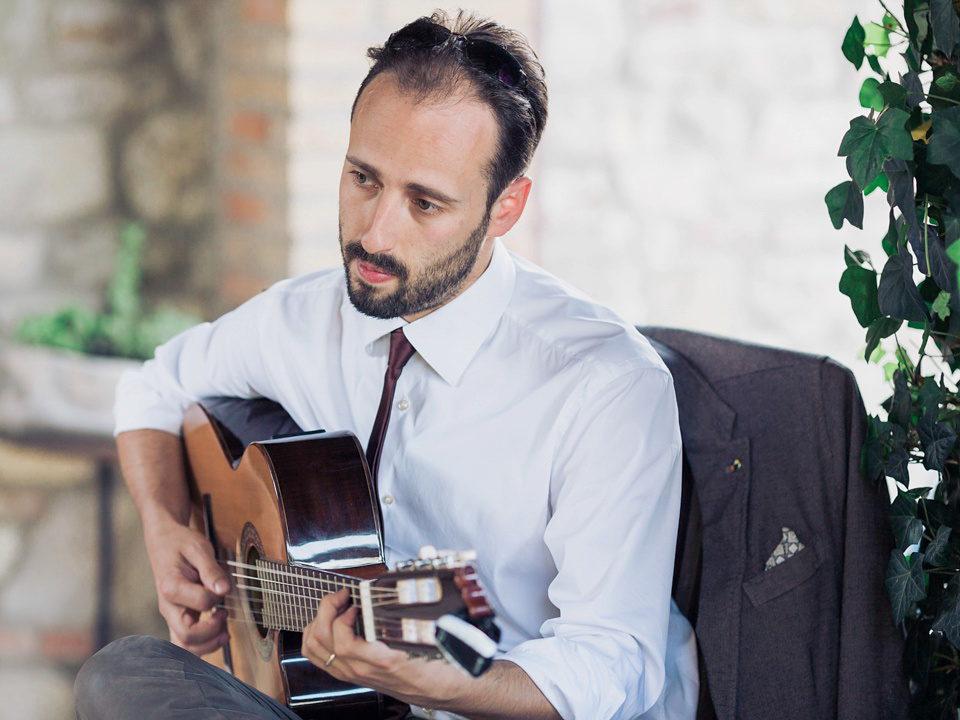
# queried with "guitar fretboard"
point(287, 596)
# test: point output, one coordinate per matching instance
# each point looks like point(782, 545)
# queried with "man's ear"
point(508, 208)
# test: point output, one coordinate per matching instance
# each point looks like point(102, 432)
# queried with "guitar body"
point(304, 501)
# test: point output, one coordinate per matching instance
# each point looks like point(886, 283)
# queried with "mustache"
point(354, 251)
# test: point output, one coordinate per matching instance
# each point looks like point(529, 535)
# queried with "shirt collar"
point(449, 337)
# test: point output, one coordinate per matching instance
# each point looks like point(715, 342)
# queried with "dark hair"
point(443, 69)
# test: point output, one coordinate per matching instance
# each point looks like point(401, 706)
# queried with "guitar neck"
point(287, 596)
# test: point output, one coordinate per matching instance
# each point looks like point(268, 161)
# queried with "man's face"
point(413, 200)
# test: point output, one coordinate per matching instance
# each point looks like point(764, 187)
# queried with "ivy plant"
point(123, 328)
point(907, 144)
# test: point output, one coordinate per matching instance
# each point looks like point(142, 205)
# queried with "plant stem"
point(899, 24)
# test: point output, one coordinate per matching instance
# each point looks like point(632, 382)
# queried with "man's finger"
point(213, 577)
point(178, 591)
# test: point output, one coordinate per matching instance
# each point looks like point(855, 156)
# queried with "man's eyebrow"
point(412, 187)
point(368, 169)
point(430, 192)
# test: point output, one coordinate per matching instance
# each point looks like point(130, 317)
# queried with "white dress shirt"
point(532, 425)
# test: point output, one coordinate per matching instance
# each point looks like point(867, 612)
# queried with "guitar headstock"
point(434, 606)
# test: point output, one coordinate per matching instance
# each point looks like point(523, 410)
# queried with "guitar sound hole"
point(255, 593)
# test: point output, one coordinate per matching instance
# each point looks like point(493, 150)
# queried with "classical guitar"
point(294, 517)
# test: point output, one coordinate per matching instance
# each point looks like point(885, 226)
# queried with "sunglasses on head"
point(486, 56)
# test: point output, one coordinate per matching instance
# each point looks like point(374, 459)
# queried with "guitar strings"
point(238, 613)
point(286, 601)
point(270, 572)
point(243, 610)
point(299, 590)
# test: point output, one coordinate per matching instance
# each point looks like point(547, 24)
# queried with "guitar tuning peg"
point(404, 565)
point(467, 556)
point(428, 552)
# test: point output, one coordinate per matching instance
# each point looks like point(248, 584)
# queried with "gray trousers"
point(143, 678)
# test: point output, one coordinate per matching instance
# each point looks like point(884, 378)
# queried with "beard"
point(417, 291)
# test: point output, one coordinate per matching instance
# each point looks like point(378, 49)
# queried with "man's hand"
point(413, 680)
point(504, 691)
point(189, 583)
point(189, 580)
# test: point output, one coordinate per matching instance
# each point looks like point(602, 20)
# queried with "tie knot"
point(400, 352)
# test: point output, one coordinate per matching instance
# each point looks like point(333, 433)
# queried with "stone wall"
point(105, 117)
point(685, 162)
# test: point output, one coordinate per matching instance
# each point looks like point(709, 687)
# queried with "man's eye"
point(425, 205)
point(359, 177)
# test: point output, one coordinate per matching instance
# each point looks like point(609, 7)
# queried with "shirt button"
point(388, 499)
point(429, 712)
point(403, 404)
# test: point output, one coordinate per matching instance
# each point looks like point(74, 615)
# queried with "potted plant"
point(61, 373)
point(907, 143)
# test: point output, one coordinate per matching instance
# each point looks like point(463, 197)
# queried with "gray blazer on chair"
point(792, 617)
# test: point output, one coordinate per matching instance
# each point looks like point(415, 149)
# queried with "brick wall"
point(252, 111)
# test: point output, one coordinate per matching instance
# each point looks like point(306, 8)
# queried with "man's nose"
point(379, 234)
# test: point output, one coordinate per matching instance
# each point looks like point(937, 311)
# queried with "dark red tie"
point(400, 352)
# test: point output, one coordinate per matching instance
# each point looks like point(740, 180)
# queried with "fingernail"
point(220, 587)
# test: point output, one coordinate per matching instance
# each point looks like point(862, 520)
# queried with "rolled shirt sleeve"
point(210, 359)
point(612, 533)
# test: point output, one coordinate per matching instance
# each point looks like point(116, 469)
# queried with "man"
point(531, 424)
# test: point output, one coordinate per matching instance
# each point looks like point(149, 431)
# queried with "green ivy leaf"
point(928, 246)
point(936, 552)
point(941, 306)
point(914, 87)
point(898, 466)
point(876, 39)
point(897, 295)
point(917, 493)
point(870, 95)
point(875, 65)
point(852, 46)
point(856, 258)
point(905, 584)
point(907, 527)
point(845, 202)
point(944, 147)
point(892, 127)
point(945, 90)
point(946, 25)
point(909, 10)
point(864, 145)
point(931, 395)
point(891, 239)
point(937, 439)
point(880, 181)
point(953, 252)
point(879, 329)
point(936, 514)
point(893, 94)
point(860, 285)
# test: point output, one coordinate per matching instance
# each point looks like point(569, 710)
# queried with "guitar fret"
point(301, 597)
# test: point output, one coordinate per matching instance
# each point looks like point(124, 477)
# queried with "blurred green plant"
point(123, 329)
point(908, 145)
